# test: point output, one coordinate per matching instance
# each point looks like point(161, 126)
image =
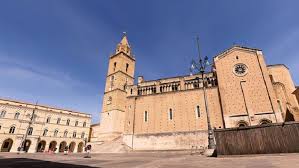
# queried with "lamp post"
point(201, 66)
point(23, 143)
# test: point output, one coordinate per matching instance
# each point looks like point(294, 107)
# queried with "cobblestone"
point(147, 160)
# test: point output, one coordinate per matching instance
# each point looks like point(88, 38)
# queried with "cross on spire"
point(124, 45)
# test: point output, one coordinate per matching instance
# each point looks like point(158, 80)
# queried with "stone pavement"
point(147, 160)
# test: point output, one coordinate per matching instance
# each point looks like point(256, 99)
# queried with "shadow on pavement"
point(24, 163)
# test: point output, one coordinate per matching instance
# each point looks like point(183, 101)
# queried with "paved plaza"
point(144, 160)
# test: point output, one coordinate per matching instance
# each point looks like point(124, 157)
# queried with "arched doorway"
point(6, 145)
point(80, 147)
point(41, 146)
point(52, 146)
point(72, 146)
point(265, 121)
point(242, 123)
point(62, 146)
point(27, 145)
point(289, 116)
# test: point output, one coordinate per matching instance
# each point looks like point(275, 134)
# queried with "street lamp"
point(31, 117)
point(201, 66)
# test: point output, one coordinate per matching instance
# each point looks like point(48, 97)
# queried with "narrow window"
point(17, 115)
point(65, 134)
point(55, 133)
point(111, 82)
point(2, 114)
point(170, 114)
point(45, 132)
point(84, 124)
point(30, 130)
point(12, 129)
point(109, 100)
point(74, 134)
point(58, 120)
point(145, 116)
point(197, 112)
point(209, 81)
point(114, 66)
point(82, 135)
point(127, 67)
point(48, 119)
point(76, 123)
point(68, 122)
point(131, 91)
point(0, 127)
point(280, 107)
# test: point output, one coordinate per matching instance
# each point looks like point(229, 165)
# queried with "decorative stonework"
point(240, 69)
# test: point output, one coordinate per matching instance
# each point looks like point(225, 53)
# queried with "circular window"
point(240, 69)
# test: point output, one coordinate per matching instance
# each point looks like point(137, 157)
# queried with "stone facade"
point(296, 93)
point(51, 128)
point(170, 113)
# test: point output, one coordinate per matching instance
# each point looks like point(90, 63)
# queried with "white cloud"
point(31, 82)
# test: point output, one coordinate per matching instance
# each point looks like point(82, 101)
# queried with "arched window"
point(30, 131)
point(170, 115)
point(74, 134)
point(76, 123)
point(58, 120)
point(55, 133)
point(197, 112)
point(82, 135)
point(84, 124)
point(145, 116)
point(17, 115)
point(65, 133)
point(48, 119)
point(265, 121)
point(68, 122)
point(12, 129)
point(45, 132)
point(2, 115)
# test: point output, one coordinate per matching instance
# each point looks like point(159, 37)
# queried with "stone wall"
point(167, 141)
point(184, 112)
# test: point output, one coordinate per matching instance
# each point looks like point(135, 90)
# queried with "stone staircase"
point(112, 146)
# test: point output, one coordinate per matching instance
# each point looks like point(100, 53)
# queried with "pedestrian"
point(87, 150)
point(66, 150)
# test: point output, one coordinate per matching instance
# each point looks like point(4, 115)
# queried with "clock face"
point(240, 69)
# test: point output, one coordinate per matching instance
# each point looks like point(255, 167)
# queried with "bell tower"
point(120, 74)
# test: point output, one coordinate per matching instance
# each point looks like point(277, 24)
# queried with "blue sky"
point(57, 51)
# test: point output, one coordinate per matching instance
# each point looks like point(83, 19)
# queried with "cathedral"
point(170, 113)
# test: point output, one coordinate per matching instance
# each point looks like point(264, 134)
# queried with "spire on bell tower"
point(123, 46)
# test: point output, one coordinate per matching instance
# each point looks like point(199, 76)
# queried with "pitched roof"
point(236, 47)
